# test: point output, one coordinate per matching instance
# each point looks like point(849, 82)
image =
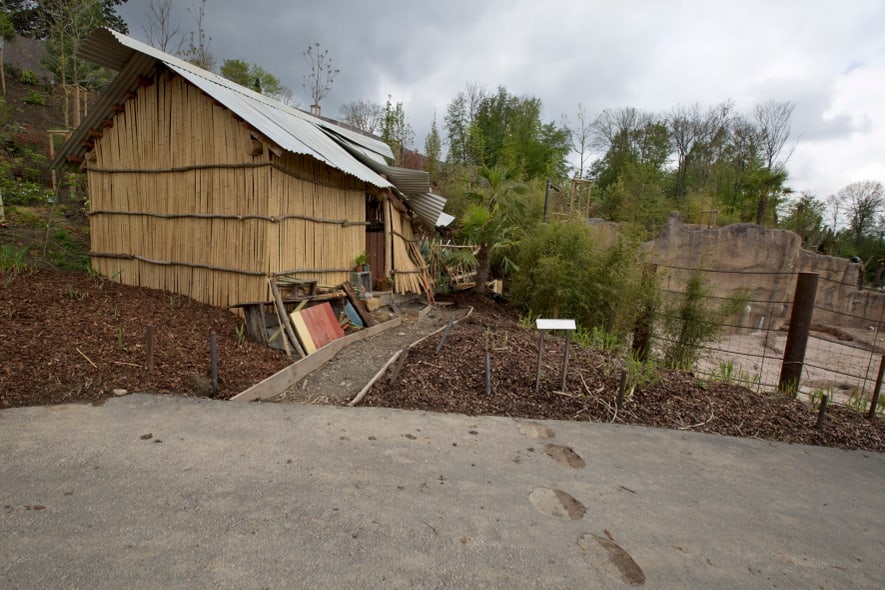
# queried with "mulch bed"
point(454, 380)
point(67, 336)
point(70, 337)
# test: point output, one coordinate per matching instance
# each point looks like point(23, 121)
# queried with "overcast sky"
point(826, 57)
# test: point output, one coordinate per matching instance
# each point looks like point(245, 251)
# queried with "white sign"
point(547, 324)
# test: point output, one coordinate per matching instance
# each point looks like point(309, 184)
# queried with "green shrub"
point(12, 259)
point(589, 273)
point(28, 77)
point(35, 97)
point(694, 319)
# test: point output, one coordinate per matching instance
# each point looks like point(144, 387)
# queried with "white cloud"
point(828, 58)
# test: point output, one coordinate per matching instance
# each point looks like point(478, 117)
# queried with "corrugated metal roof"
point(429, 207)
point(409, 182)
point(291, 129)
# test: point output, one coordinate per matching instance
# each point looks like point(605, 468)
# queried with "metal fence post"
point(797, 337)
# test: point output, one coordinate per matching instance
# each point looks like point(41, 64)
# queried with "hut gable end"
point(172, 124)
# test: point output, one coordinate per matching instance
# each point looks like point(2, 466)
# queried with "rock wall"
point(763, 262)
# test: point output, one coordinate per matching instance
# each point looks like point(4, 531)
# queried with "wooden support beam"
point(95, 134)
point(358, 305)
point(130, 95)
point(107, 123)
point(75, 160)
point(118, 108)
point(284, 317)
point(88, 144)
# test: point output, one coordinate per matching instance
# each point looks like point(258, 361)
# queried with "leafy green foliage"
point(28, 77)
point(13, 260)
point(589, 273)
point(252, 76)
point(30, 20)
point(396, 130)
point(505, 131)
point(693, 320)
point(35, 97)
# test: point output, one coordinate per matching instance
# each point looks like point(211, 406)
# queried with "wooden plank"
point(323, 325)
point(256, 329)
point(302, 330)
point(358, 304)
point(284, 317)
point(352, 315)
point(282, 380)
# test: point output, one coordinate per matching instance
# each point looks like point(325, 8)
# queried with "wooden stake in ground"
point(284, 318)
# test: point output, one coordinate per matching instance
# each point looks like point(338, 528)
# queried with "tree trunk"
point(761, 207)
point(483, 266)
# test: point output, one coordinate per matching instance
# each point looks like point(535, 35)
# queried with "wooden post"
point(540, 355)
point(622, 389)
point(823, 410)
point(797, 337)
point(568, 343)
point(150, 349)
point(213, 356)
point(444, 336)
point(285, 322)
point(875, 399)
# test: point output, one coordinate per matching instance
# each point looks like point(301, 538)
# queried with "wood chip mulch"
point(454, 380)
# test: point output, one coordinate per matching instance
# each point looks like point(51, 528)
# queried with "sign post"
point(544, 325)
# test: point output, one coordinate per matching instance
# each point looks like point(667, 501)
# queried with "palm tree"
point(491, 221)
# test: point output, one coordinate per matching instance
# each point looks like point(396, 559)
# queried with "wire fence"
point(752, 311)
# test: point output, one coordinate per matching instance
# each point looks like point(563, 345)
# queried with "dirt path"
point(342, 378)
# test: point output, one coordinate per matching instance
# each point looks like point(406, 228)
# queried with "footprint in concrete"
point(557, 504)
point(611, 558)
point(535, 430)
point(564, 456)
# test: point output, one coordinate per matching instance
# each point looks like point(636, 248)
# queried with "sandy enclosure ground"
point(842, 365)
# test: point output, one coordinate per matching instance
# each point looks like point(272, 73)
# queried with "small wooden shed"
point(202, 187)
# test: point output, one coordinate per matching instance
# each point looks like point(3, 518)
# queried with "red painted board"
point(322, 324)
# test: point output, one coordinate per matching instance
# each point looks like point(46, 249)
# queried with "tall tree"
point(581, 141)
point(773, 122)
point(507, 132)
point(161, 30)
point(396, 130)
point(67, 24)
point(492, 221)
point(29, 16)
point(7, 34)
point(465, 145)
point(693, 132)
point(364, 115)
point(253, 76)
point(433, 149)
point(805, 216)
point(197, 50)
point(864, 202)
point(320, 75)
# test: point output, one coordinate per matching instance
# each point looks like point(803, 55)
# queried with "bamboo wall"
point(226, 236)
point(409, 270)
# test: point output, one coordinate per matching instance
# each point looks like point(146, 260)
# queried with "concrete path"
point(167, 492)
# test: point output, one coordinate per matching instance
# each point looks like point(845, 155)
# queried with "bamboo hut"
point(205, 188)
